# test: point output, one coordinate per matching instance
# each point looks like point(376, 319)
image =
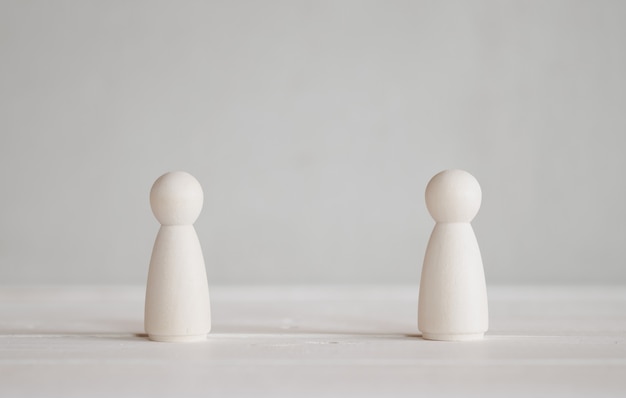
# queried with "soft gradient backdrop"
point(313, 127)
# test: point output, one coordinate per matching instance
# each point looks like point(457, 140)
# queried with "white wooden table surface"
point(312, 341)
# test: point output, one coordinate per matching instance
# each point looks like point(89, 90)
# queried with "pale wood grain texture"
point(312, 341)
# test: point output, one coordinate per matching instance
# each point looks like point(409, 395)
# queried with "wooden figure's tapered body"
point(453, 293)
point(177, 294)
point(453, 298)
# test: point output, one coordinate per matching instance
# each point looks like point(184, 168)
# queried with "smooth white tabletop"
point(312, 341)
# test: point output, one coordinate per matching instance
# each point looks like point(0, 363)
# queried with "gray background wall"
point(314, 127)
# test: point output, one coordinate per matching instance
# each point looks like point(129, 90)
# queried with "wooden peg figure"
point(453, 294)
point(177, 293)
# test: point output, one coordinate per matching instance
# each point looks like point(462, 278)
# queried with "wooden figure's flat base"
point(453, 337)
point(178, 339)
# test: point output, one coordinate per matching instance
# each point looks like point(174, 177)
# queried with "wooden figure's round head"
point(176, 198)
point(453, 196)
